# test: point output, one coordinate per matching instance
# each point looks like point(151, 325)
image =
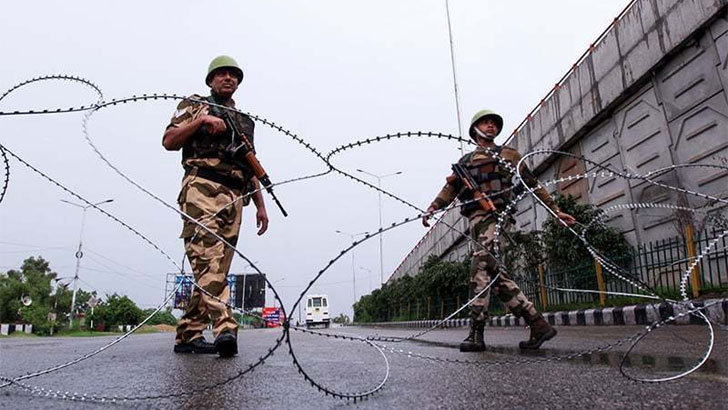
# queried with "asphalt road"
point(145, 365)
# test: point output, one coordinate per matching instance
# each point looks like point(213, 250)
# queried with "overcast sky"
point(331, 71)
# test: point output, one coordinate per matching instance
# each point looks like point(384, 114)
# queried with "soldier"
point(213, 179)
point(492, 179)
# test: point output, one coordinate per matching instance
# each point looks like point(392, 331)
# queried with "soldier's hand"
point(261, 219)
point(566, 218)
point(213, 124)
point(426, 217)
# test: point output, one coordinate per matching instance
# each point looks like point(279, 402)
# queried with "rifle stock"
point(461, 173)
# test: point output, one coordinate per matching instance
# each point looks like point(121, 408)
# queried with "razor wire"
point(327, 160)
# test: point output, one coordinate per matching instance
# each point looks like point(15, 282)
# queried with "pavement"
point(145, 364)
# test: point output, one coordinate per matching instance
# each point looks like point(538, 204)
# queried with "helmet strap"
point(480, 133)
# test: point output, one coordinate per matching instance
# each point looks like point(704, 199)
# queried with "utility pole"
point(381, 234)
point(353, 266)
point(454, 76)
point(79, 252)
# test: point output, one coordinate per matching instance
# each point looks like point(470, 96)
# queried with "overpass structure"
point(649, 93)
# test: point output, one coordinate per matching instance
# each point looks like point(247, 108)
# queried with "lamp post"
point(381, 234)
point(79, 252)
point(273, 283)
point(353, 266)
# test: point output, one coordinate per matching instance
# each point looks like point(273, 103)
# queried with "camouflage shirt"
point(494, 179)
point(205, 150)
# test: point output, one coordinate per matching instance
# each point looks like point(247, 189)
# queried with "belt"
point(213, 176)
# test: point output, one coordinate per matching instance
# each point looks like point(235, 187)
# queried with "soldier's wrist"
point(438, 204)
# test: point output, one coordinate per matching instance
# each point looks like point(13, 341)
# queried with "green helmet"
point(482, 114)
point(223, 62)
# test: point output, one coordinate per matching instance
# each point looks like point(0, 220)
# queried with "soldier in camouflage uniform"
point(494, 180)
point(213, 180)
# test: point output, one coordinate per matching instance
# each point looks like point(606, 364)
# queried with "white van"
point(317, 310)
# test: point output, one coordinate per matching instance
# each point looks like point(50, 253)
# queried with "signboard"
point(250, 291)
point(273, 316)
point(183, 293)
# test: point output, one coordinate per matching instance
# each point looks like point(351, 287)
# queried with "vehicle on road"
point(317, 311)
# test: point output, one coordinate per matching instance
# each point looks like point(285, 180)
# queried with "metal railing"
point(659, 264)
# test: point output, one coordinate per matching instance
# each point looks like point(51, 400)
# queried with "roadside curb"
point(612, 316)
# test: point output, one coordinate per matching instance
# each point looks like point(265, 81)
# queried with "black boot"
point(199, 346)
point(474, 342)
point(541, 331)
point(226, 344)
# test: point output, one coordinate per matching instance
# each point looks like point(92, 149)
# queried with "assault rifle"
point(245, 150)
point(462, 174)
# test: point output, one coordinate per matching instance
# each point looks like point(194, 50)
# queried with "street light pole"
point(454, 76)
point(353, 266)
point(381, 234)
point(79, 252)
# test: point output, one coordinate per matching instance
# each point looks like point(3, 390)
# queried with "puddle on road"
point(642, 362)
point(635, 361)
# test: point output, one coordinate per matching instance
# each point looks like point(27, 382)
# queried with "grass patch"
point(81, 333)
point(88, 333)
point(18, 335)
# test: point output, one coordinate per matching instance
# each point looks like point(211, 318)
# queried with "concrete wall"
point(652, 93)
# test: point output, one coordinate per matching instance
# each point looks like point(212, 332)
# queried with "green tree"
point(563, 249)
point(116, 310)
point(33, 280)
point(62, 302)
point(163, 317)
point(522, 252)
point(436, 279)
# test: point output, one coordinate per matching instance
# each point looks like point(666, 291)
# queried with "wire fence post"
point(600, 283)
point(544, 296)
point(695, 272)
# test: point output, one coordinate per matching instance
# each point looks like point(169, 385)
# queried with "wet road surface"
point(145, 365)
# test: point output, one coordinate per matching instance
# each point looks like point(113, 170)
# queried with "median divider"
point(645, 314)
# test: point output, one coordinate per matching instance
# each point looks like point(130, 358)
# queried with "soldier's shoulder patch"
point(190, 100)
point(510, 153)
point(477, 156)
point(465, 158)
point(180, 112)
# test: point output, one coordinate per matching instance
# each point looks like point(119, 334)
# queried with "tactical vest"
point(202, 144)
point(491, 176)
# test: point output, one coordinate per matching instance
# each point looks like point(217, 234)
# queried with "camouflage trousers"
point(484, 267)
point(210, 259)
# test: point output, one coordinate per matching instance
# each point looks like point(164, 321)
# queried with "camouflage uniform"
point(492, 178)
point(211, 182)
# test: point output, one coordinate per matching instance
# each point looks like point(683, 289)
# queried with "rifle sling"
point(213, 176)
